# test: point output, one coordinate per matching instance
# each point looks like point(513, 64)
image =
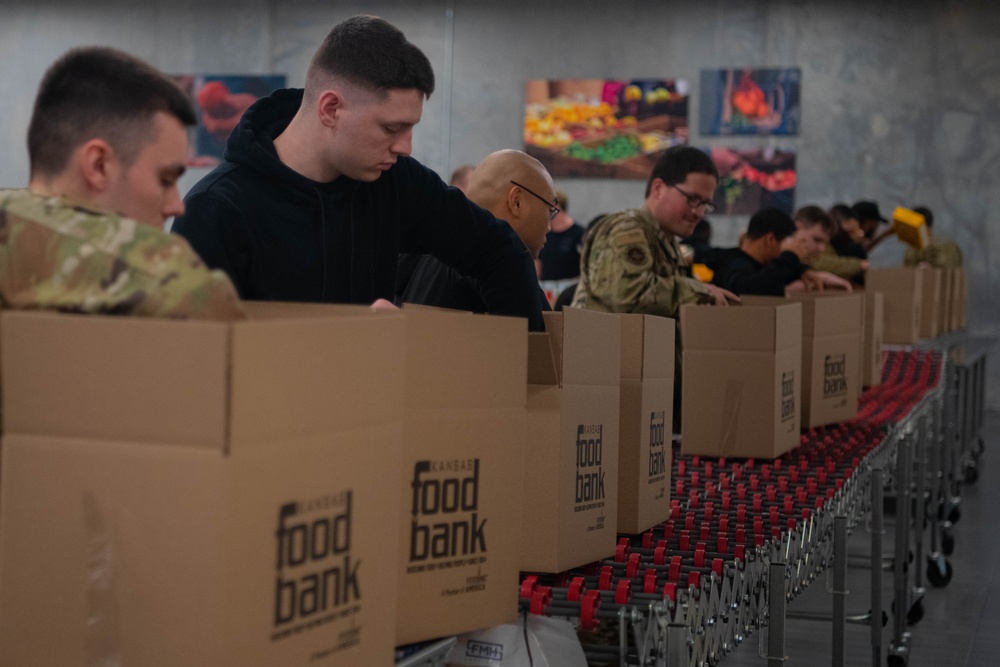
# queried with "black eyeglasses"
point(694, 201)
point(553, 209)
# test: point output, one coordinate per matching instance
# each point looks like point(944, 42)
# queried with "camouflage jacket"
point(60, 255)
point(628, 265)
point(941, 253)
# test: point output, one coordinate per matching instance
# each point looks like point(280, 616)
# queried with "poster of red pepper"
point(750, 101)
point(220, 101)
point(752, 179)
point(603, 128)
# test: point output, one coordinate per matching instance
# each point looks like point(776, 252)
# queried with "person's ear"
point(97, 164)
point(329, 106)
point(515, 201)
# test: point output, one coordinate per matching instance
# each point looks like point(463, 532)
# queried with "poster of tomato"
point(603, 128)
point(219, 102)
point(750, 101)
point(752, 179)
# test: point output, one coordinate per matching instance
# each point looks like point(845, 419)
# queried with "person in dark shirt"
point(560, 257)
point(317, 195)
point(514, 187)
point(768, 260)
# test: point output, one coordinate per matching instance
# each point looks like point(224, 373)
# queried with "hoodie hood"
point(251, 144)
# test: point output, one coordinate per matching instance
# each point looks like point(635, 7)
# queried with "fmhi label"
point(834, 375)
point(589, 467)
point(788, 396)
point(488, 652)
point(316, 578)
point(446, 527)
point(657, 447)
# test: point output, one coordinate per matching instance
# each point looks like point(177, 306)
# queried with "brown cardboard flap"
point(542, 365)
point(459, 360)
point(758, 325)
point(295, 378)
point(118, 378)
point(269, 310)
point(826, 314)
point(633, 348)
point(591, 348)
point(658, 347)
point(894, 280)
point(647, 346)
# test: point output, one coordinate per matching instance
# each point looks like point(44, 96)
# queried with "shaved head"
point(526, 205)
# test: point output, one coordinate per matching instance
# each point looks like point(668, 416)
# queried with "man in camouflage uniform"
point(107, 144)
point(631, 261)
point(940, 253)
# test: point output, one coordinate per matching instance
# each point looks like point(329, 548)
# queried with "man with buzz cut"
point(317, 194)
point(107, 143)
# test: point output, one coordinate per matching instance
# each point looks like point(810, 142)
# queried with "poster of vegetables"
point(603, 128)
point(220, 102)
point(750, 101)
point(752, 179)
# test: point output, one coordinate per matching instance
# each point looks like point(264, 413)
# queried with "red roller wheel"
point(624, 592)
point(527, 586)
point(588, 610)
point(577, 588)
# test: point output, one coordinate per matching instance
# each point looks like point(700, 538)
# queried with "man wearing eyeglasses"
point(632, 262)
point(511, 185)
point(317, 194)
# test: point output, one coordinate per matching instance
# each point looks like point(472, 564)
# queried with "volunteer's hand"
point(795, 287)
point(797, 245)
point(723, 297)
point(382, 304)
point(834, 282)
point(812, 281)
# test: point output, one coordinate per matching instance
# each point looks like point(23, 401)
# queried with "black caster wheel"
point(971, 474)
point(953, 513)
point(938, 571)
point(916, 613)
point(947, 542)
point(896, 661)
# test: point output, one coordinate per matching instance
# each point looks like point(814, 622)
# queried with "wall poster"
point(220, 101)
point(603, 128)
point(752, 179)
point(750, 101)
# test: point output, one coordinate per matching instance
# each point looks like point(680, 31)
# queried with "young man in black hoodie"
point(317, 194)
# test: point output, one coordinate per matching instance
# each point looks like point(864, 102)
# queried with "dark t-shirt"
point(740, 273)
point(560, 257)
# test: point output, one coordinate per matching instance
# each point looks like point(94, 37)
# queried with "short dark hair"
point(841, 212)
point(810, 216)
point(770, 221)
point(926, 212)
point(372, 54)
point(677, 162)
point(99, 92)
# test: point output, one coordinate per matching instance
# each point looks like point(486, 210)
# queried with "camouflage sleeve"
point(946, 255)
point(623, 278)
point(845, 267)
point(183, 287)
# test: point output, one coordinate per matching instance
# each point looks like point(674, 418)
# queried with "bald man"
point(511, 185)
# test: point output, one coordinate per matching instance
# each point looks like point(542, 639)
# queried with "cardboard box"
point(646, 415)
point(571, 478)
point(462, 459)
point(944, 306)
point(198, 493)
point(931, 302)
point(959, 296)
point(832, 333)
point(871, 351)
point(742, 377)
point(902, 291)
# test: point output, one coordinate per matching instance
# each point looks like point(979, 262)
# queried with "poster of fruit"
point(220, 101)
point(603, 128)
point(752, 179)
point(750, 101)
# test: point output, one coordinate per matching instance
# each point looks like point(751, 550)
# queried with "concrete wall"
point(900, 100)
